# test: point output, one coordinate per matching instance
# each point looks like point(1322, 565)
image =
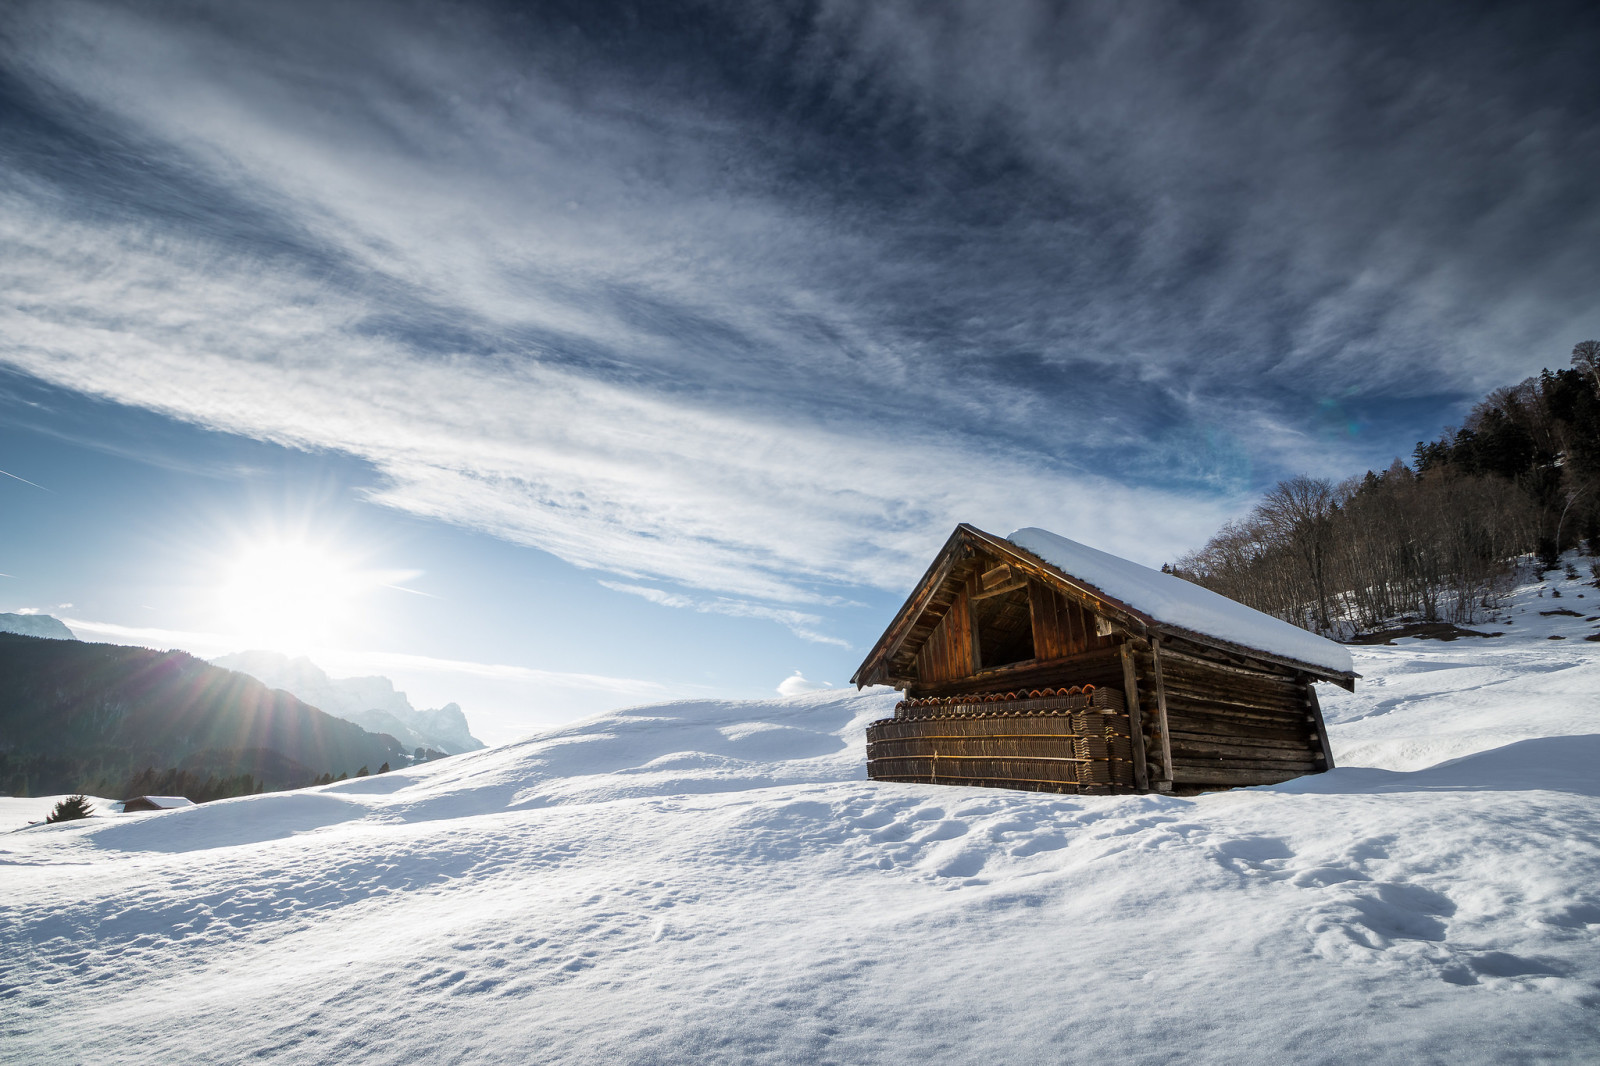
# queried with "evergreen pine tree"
point(71, 809)
point(383, 769)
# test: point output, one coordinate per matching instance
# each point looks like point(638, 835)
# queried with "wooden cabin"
point(155, 803)
point(1035, 662)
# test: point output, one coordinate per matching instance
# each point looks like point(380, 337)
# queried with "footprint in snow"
point(1136, 825)
point(1372, 848)
point(1471, 969)
point(892, 833)
point(968, 863)
point(1327, 876)
point(1377, 922)
point(1042, 842)
point(1403, 912)
point(947, 830)
point(1254, 854)
point(1575, 915)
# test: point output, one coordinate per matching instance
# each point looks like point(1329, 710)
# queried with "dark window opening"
point(1005, 628)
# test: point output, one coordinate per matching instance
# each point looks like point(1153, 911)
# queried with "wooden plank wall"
point(1061, 626)
point(948, 652)
point(1230, 725)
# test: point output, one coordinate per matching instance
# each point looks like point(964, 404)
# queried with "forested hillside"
point(78, 717)
point(1434, 539)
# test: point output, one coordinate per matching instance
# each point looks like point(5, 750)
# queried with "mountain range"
point(80, 717)
point(372, 703)
point(36, 625)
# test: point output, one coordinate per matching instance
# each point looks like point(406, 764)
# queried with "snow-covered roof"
point(1173, 601)
point(164, 802)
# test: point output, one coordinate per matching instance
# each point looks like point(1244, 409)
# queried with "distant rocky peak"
point(449, 725)
point(36, 625)
point(370, 702)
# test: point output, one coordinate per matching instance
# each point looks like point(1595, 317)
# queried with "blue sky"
point(626, 351)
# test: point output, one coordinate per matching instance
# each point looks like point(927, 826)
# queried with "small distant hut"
point(155, 803)
point(1035, 662)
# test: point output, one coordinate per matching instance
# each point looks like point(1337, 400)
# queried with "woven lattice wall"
point(1049, 741)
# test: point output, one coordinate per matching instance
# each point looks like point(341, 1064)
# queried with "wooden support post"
point(975, 654)
point(1163, 733)
point(1130, 689)
point(1314, 712)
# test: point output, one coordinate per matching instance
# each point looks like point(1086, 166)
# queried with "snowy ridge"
point(372, 703)
point(715, 881)
point(36, 625)
point(1178, 602)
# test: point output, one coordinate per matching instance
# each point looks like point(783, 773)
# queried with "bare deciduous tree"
point(1520, 476)
point(1299, 512)
point(1586, 357)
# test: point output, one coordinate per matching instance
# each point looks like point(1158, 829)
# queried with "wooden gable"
point(985, 604)
point(979, 608)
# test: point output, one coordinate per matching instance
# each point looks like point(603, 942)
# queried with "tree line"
point(200, 788)
point(203, 788)
point(1436, 539)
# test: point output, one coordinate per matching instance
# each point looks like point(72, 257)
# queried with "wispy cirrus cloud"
point(602, 473)
point(800, 623)
point(762, 300)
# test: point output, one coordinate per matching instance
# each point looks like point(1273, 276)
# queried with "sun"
point(288, 595)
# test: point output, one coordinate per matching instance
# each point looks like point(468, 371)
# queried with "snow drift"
point(716, 881)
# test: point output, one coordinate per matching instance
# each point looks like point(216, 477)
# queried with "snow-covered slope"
point(715, 882)
point(36, 625)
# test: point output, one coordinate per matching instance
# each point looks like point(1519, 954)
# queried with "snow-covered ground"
point(715, 882)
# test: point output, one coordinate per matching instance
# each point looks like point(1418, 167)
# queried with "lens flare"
point(289, 595)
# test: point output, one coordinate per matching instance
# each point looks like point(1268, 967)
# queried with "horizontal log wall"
point(1232, 725)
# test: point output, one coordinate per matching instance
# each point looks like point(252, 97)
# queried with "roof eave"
point(871, 669)
point(1345, 679)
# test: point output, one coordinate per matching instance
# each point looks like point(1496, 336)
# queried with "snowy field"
point(715, 882)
